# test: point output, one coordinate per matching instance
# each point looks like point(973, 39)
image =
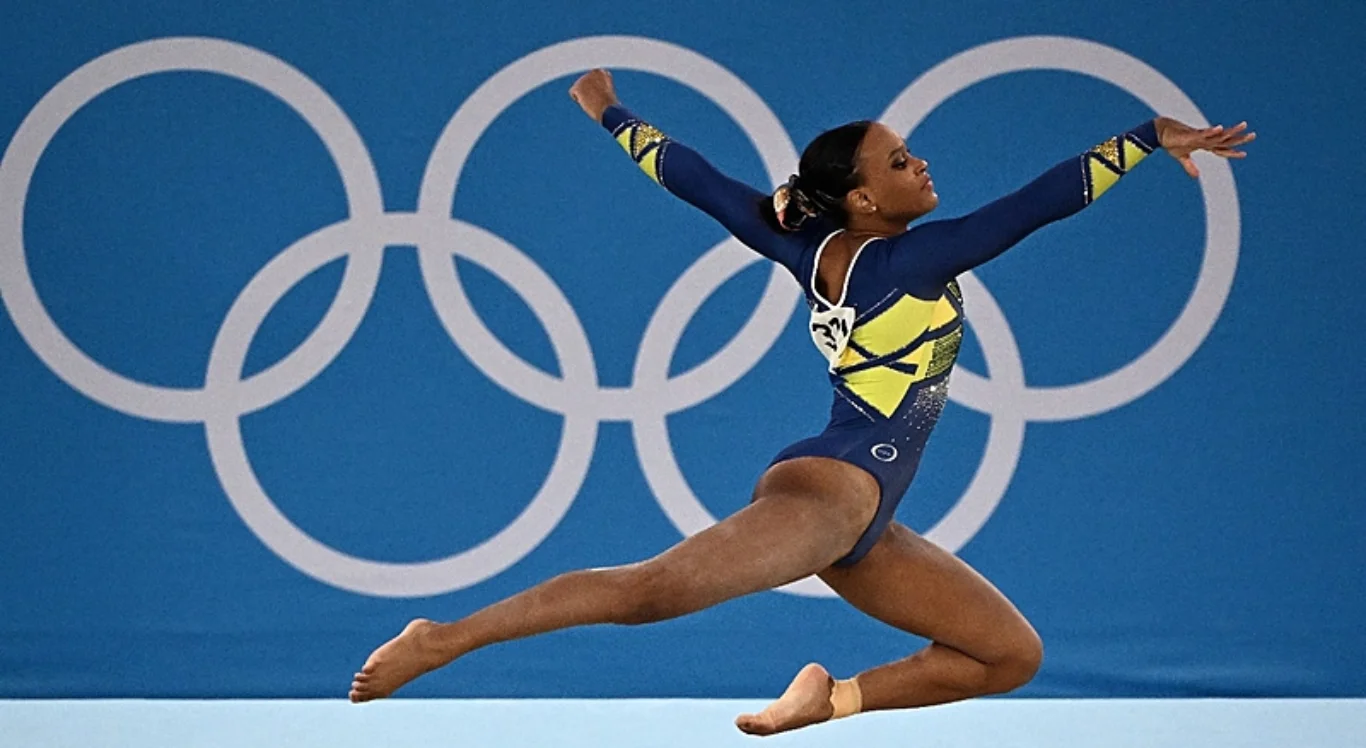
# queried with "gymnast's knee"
point(1018, 664)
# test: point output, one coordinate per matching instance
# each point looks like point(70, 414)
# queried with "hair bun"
point(792, 205)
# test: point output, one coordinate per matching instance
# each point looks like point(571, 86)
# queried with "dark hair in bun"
point(826, 174)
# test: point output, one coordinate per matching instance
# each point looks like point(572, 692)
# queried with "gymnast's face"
point(896, 185)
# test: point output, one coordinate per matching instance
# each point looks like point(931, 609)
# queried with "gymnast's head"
point(861, 177)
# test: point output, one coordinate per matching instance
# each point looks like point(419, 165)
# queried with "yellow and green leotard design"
point(892, 338)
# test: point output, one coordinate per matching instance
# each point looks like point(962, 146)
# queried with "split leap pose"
point(887, 314)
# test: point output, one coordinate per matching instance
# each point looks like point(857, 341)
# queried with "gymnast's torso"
point(889, 354)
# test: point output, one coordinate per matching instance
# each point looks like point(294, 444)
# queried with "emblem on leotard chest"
point(830, 331)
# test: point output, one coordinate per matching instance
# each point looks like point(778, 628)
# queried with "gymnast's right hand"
point(593, 91)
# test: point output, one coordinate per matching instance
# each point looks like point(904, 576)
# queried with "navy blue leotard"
point(892, 337)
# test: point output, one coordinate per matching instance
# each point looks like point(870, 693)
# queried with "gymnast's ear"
point(859, 202)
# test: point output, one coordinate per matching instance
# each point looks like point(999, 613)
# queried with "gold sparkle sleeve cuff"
point(1105, 164)
point(645, 144)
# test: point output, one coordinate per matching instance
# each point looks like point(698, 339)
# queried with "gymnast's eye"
point(901, 164)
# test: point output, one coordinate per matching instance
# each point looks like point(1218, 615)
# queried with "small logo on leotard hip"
point(884, 452)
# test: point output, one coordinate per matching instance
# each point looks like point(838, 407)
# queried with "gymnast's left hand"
point(1181, 140)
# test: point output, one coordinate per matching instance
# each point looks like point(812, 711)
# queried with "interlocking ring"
point(653, 395)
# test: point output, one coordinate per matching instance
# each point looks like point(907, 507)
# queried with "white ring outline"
point(1005, 440)
point(494, 555)
point(35, 133)
point(458, 139)
point(641, 402)
point(1222, 219)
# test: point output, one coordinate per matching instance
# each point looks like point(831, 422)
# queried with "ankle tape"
point(846, 697)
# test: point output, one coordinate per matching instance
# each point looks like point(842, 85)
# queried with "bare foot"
point(805, 702)
point(397, 662)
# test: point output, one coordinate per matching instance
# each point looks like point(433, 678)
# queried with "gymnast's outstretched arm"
point(937, 251)
point(685, 173)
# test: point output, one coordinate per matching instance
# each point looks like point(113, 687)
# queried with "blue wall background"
point(1206, 539)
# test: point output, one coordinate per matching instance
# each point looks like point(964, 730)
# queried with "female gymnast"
point(887, 314)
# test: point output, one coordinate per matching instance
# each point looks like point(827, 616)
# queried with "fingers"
point(597, 77)
point(594, 93)
point(1236, 134)
point(1219, 140)
point(596, 73)
point(1219, 137)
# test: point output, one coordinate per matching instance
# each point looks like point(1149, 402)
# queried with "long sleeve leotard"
point(892, 337)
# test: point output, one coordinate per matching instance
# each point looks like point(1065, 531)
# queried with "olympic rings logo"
point(577, 396)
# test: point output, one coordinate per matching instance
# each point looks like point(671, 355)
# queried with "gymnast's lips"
point(929, 184)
